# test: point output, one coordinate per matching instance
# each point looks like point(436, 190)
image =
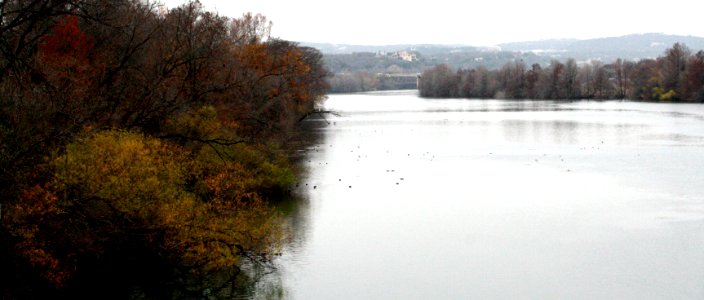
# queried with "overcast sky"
point(478, 23)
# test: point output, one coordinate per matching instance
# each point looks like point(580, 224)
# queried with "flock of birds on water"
point(428, 156)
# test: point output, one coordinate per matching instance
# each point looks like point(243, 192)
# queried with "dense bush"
point(142, 145)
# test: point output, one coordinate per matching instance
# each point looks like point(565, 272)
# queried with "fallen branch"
point(321, 113)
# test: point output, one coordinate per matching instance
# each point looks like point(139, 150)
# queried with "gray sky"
point(479, 23)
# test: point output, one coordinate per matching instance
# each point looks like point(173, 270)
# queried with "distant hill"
point(379, 59)
point(349, 49)
point(633, 47)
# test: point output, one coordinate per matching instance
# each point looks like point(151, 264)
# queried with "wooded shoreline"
point(678, 76)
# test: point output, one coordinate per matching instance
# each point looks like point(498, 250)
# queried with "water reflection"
point(570, 132)
point(408, 198)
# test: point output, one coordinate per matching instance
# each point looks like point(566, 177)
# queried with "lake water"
point(410, 198)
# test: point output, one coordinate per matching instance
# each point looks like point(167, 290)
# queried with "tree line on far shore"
point(366, 82)
point(677, 76)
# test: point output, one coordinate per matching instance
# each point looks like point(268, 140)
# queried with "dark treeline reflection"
point(678, 75)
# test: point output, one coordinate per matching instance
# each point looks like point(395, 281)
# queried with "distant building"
point(401, 55)
point(407, 56)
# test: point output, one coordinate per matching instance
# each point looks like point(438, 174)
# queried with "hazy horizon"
point(367, 22)
point(508, 42)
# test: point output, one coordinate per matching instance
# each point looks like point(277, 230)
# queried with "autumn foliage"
point(66, 44)
point(137, 138)
point(122, 189)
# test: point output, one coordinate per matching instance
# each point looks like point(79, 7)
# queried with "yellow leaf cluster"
point(114, 187)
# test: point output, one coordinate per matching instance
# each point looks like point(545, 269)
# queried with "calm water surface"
point(409, 198)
